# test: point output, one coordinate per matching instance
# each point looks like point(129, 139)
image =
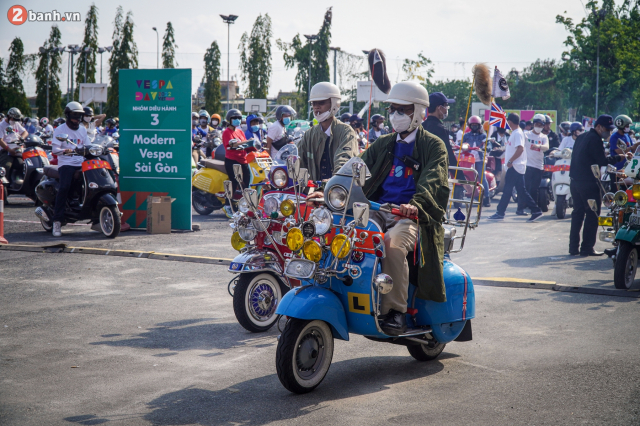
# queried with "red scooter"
point(467, 159)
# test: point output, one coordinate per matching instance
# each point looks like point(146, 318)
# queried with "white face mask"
point(322, 116)
point(214, 122)
point(627, 129)
point(194, 122)
point(538, 129)
point(400, 123)
point(87, 119)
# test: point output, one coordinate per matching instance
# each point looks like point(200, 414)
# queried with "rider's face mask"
point(203, 122)
point(474, 127)
point(214, 122)
point(627, 129)
point(538, 129)
point(194, 122)
point(87, 118)
point(236, 122)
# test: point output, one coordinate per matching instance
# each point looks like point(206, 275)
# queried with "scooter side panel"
point(316, 303)
point(209, 180)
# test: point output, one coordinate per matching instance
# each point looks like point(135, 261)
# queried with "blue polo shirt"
point(399, 187)
point(613, 145)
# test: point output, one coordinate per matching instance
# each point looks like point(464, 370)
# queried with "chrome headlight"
point(271, 205)
point(607, 200)
point(337, 197)
point(322, 218)
point(247, 234)
point(243, 205)
point(566, 153)
point(279, 178)
point(299, 268)
point(95, 150)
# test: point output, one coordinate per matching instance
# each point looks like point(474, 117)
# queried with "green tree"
point(123, 56)
point(90, 41)
point(54, 60)
point(618, 29)
point(311, 59)
point(169, 48)
point(255, 58)
point(13, 93)
point(454, 89)
point(211, 79)
point(421, 70)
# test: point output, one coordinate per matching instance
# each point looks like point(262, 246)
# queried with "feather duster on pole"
point(482, 83)
point(378, 67)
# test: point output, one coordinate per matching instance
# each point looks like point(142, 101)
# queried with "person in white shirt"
point(276, 134)
point(7, 153)
point(92, 122)
point(575, 130)
point(68, 164)
point(516, 163)
point(46, 126)
point(536, 144)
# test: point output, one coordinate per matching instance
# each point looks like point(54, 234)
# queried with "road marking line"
point(480, 366)
point(515, 280)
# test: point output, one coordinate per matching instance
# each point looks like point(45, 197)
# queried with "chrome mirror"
point(359, 173)
point(304, 177)
point(608, 199)
point(622, 146)
point(293, 166)
point(384, 283)
point(593, 205)
point(611, 169)
point(595, 169)
point(361, 214)
point(228, 189)
point(237, 172)
point(251, 196)
point(62, 137)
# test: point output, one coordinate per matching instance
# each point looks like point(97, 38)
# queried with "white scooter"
point(560, 182)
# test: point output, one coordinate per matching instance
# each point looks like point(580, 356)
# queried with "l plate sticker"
point(359, 303)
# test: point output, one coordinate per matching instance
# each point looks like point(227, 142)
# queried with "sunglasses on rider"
point(401, 110)
point(76, 116)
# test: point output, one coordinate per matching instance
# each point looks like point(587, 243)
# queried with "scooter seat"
point(51, 172)
point(219, 153)
point(210, 163)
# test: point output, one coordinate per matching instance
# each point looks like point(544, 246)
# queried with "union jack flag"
point(497, 117)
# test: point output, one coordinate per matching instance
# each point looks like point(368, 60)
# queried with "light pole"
point(101, 50)
point(335, 63)
point(310, 38)
point(158, 47)
point(46, 52)
point(602, 13)
point(73, 49)
point(228, 19)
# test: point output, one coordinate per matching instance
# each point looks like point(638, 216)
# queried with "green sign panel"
point(155, 143)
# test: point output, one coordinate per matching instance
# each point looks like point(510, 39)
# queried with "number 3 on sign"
point(155, 120)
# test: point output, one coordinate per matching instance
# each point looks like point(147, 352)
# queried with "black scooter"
point(92, 195)
point(28, 167)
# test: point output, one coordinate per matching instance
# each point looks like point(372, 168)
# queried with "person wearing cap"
point(325, 148)
point(554, 140)
point(588, 150)
point(461, 129)
point(377, 127)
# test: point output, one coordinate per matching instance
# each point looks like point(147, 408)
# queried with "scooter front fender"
point(562, 189)
point(107, 200)
point(256, 260)
point(630, 235)
point(316, 303)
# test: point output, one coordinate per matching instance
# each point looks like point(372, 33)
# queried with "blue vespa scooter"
point(342, 283)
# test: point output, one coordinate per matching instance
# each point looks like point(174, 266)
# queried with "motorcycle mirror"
point(2, 172)
point(62, 137)
point(621, 145)
point(593, 205)
point(251, 196)
point(293, 166)
point(361, 214)
point(607, 200)
point(116, 135)
point(384, 283)
point(228, 189)
point(595, 169)
point(359, 173)
point(611, 169)
point(237, 172)
point(303, 177)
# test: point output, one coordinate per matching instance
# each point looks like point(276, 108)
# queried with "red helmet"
point(474, 119)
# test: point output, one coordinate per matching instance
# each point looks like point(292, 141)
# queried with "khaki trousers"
point(399, 240)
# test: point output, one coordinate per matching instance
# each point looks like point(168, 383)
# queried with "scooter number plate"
point(634, 220)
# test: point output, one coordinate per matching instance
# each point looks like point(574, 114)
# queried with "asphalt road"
point(88, 340)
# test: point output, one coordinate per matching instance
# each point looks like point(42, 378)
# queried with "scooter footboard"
point(448, 319)
point(316, 303)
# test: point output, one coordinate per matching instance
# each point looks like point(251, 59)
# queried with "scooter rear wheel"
point(200, 208)
point(561, 206)
point(304, 354)
point(426, 352)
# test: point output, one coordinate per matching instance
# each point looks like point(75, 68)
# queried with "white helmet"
point(539, 118)
point(325, 90)
point(410, 93)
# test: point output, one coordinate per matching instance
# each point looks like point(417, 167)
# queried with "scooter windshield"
point(347, 169)
point(104, 141)
point(284, 153)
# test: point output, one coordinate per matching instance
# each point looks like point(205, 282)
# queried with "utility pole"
point(310, 38)
point(228, 19)
point(101, 50)
point(73, 49)
point(335, 64)
point(46, 52)
point(157, 47)
point(600, 16)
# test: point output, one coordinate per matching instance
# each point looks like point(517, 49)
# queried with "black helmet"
point(345, 117)
point(73, 110)
point(375, 117)
point(88, 111)
point(233, 113)
point(565, 126)
point(110, 121)
point(284, 109)
point(59, 122)
point(33, 140)
point(576, 126)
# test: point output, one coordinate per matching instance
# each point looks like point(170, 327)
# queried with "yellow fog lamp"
point(312, 251)
point(236, 242)
point(635, 191)
point(340, 240)
point(295, 239)
point(605, 221)
point(287, 208)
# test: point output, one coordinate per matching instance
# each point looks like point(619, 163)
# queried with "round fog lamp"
point(312, 251)
point(271, 206)
point(635, 191)
point(287, 208)
point(323, 219)
point(236, 242)
point(247, 234)
point(621, 198)
point(340, 240)
point(295, 239)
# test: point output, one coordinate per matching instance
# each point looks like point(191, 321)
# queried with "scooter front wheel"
point(255, 299)
point(304, 354)
point(427, 351)
point(626, 266)
point(110, 221)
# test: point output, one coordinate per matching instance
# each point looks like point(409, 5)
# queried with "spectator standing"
point(536, 144)
point(476, 139)
point(554, 140)
point(516, 168)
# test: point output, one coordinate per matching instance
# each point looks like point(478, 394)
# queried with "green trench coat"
point(431, 197)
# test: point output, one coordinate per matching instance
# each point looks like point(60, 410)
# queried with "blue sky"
point(454, 34)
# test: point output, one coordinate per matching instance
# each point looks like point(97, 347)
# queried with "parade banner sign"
point(155, 143)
